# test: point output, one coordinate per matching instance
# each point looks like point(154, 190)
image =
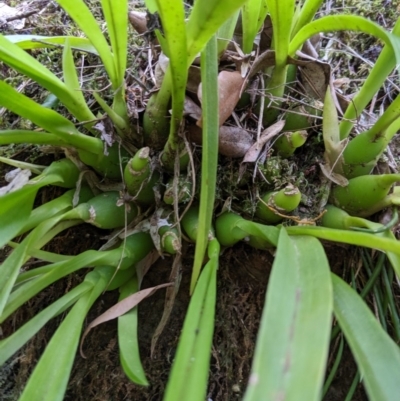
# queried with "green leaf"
point(253, 16)
point(345, 23)
point(377, 356)
point(282, 13)
point(173, 21)
point(128, 338)
point(28, 42)
point(205, 20)
point(188, 377)
point(83, 17)
point(209, 161)
point(115, 13)
point(47, 119)
point(49, 379)
point(21, 61)
point(15, 208)
point(379, 73)
point(290, 357)
point(12, 344)
point(348, 237)
point(72, 82)
point(307, 14)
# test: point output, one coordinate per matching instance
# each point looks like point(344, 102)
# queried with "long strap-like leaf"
point(293, 340)
point(376, 354)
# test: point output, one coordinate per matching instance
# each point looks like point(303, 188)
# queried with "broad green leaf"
point(379, 73)
point(47, 119)
point(83, 17)
point(253, 16)
point(115, 13)
point(290, 357)
point(128, 338)
point(15, 208)
point(345, 23)
point(28, 42)
point(20, 60)
point(205, 20)
point(49, 379)
point(12, 344)
point(376, 354)
point(209, 161)
point(188, 377)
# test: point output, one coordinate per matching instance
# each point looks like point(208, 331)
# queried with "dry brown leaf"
point(194, 79)
point(139, 21)
point(234, 141)
point(229, 87)
point(264, 60)
point(191, 109)
point(315, 77)
point(121, 308)
point(252, 154)
point(143, 266)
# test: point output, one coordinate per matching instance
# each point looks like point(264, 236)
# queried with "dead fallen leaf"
point(139, 21)
point(191, 109)
point(194, 79)
point(229, 87)
point(315, 77)
point(252, 154)
point(234, 141)
point(120, 308)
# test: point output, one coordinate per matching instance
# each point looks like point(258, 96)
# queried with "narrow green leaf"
point(173, 20)
point(380, 71)
point(253, 16)
point(281, 12)
point(128, 338)
point(205, 20)
point(32, 137)
point(72, 83)
point(83, 17)
point(376, 354)
point(115, 13)
point(209, 162)
point(348, 237)
point(188, 377)
point(49, 379)
point(15, 208)
point(28, 42)
point(290, 356)
point(47, 119)
point(24, 63)
point(346, 23)
point(307, 14)
point(12, 344)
